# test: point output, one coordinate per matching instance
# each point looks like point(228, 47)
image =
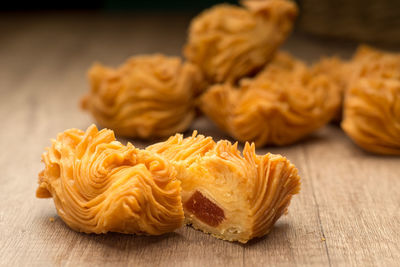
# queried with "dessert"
point(99, 185)
point(372, 102)
point(339, 71)
point(372, 115)
point(369, 62)
point(335, 68)
point(147, 97)
point(229, 42)
point(284, 103)
point(233, 196)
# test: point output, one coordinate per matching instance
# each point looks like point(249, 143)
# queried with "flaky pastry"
point(372, 103)
point(232, 196)
point(372, 115)
point(339, 72)
point(282, 104)
point(366, 62)
point(147, 97)
point(99, 185)
point(369, 62)
point(335, 67)
point(229, 42)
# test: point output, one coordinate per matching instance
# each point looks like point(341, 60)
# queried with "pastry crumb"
point(51, 219)
point(323, 239)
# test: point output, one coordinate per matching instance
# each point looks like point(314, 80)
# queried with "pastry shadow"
point(321, 135)
point(311, 140)
point(278, 232)
point(111, 240)
point(362, 153)
point(129, 242)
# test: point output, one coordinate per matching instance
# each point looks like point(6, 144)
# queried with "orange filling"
point(204, 209)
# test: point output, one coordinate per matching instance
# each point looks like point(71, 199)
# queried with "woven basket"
point(360, 20)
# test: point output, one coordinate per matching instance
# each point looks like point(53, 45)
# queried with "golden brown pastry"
point(339, 72)
point(372, 103)
point(234, 197)
point(370, 62)
point(282, 104)
point(147, 97)
point(334, 67)
point(366, 62)
point(99, 185)
point(372, 115)
point(229, 42)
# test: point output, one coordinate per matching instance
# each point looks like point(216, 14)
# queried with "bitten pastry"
point(282, 104)
point(229, 42)
point(99, 185)
point(372, 103)
point(147, 97)
point(232, 196)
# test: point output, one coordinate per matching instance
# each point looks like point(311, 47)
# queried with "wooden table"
point(346, 214)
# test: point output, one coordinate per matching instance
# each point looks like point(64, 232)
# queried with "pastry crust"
point(229, 42)
point(147, 97)
point(234, 197)
point(372, 115)
point(372, 103)
point(369, 62)
point(366, 62)
point(336, 68)
point(282, 104)
point(339, 72)
point(99, 185)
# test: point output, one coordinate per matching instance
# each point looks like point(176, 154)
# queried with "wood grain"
point(346, 214)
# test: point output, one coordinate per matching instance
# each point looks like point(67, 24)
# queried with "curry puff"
point(147, 97)
point(339, 72)
point(368, 62)
point(284, 103)
point(99, 185)
point(233, 196)
point(372, 103)
point(229, 42)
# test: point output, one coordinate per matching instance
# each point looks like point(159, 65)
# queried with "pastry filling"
point(204, 209)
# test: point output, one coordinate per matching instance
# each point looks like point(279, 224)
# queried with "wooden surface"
point(346, 214)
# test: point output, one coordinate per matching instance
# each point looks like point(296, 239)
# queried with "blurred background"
point(111, 5)
point(374, 21)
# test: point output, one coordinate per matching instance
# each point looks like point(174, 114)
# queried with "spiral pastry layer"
point(99, 185)
point(372, 115)
point(284, 103)
point(229, 42)
point(147, 97)
point(369, 62)
point(339, 72)
point(372, 102)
